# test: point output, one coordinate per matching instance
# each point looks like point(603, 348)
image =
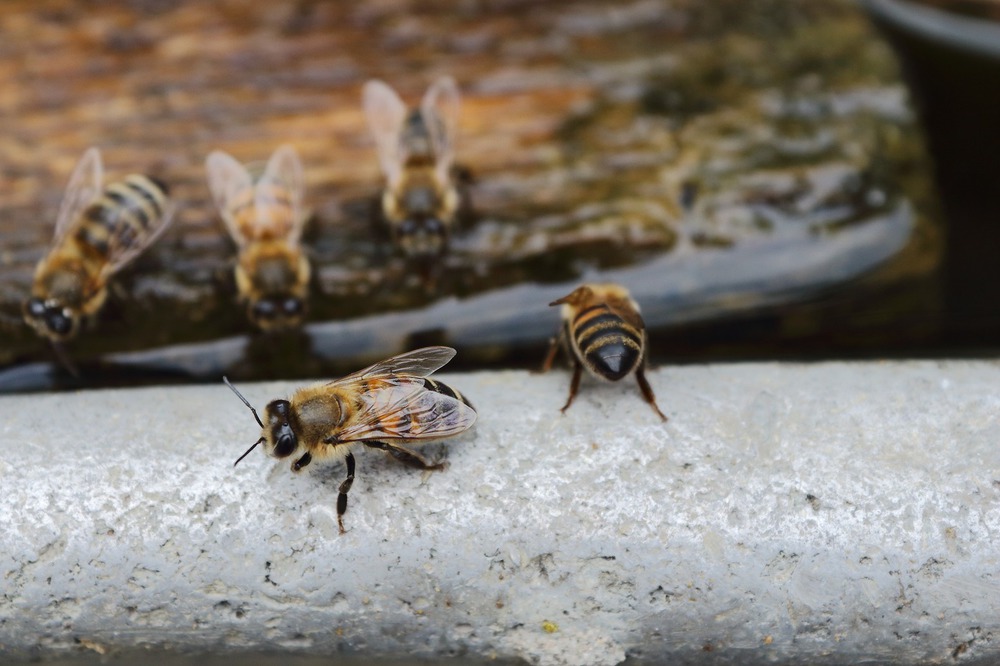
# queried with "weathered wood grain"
point(582, 121)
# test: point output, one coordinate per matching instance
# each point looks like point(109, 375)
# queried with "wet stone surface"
point(693, 152)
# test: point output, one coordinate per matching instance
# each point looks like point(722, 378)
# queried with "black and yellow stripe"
point(607, 344)
point(124, 215)
point(444, 389)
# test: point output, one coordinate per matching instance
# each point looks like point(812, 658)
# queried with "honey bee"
point(381, 407)
point(603, 332)
point(415, 150)
point(265, 218)
point(99, 230)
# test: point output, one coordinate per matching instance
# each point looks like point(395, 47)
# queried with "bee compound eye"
point(433, 225)
point(58, 322)
point(265, 309)
point(408, 226)
point(280, 410)
point(35, 307)
point(292, 306)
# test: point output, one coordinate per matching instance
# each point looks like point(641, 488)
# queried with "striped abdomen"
point(444, 389)
point(124, 216)
point(606, 344)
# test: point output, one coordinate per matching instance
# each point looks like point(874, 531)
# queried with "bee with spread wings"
point(265, 218)
point(383, 406)
point(416, 150)
point(99, 231)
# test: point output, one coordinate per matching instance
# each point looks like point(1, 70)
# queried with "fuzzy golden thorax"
point(272, 278)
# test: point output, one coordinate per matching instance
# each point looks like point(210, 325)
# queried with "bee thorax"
point(316, 414)
point(275, 274)
point(65, 284)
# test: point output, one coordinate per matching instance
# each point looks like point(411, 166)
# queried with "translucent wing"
point(278, 195)
point(84, 186)
point(124, 244)
point(624, 308)
point(386, 114)
point(417, 363)
point(439, 110)
point(406, 409)
point(232, 189)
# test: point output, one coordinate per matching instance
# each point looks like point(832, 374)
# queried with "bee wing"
point(386, 114)
point(624, 308)
point(405, 409)
point(281, 187)
point(125, 244)
point(417, 363)
point(231, 186)
point(84, 187)
point(439, 110)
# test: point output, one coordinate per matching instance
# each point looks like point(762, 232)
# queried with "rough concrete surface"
point(828, 513)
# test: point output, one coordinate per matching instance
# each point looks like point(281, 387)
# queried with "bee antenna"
point(247, 403)
point(252, 447)
point(65, 360)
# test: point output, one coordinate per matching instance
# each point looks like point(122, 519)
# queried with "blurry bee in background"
point(603, 332)
point(381, 407)
point(265, 219)
point(99, 231)
point(415, 151)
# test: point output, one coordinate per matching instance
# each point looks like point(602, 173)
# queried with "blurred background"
point(756, 173)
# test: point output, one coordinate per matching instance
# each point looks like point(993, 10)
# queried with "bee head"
point(51, 318)
point(276, 312)
point(423, 236)
point(279, 437)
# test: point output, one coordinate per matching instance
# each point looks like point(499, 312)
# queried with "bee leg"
point(406, 456)
point(118, 291)
point(302, 462)
point(65, 359)
point(344, 487)
point(554, 344)
point(574, 385)
point(647, 390)
point(551, 355)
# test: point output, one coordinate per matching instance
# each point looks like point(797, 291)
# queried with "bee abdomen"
point(125, 212)
point(609, 346)
point(444, 389)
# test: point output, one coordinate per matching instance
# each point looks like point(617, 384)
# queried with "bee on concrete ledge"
point(603, 332)
point(384, 406)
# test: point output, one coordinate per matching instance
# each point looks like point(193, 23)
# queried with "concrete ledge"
point(827, 513)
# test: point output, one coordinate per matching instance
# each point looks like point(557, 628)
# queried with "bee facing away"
point(603, 332)
point(265, 219)
point(99, 230)
point(415, 150)
point(383, 406)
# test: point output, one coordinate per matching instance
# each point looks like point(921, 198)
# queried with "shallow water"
point(751, 171)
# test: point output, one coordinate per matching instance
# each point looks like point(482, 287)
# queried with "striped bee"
point(265, 217)
point(603, 332)
point(415, 150)
point(99, 230)
point(383, 406)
